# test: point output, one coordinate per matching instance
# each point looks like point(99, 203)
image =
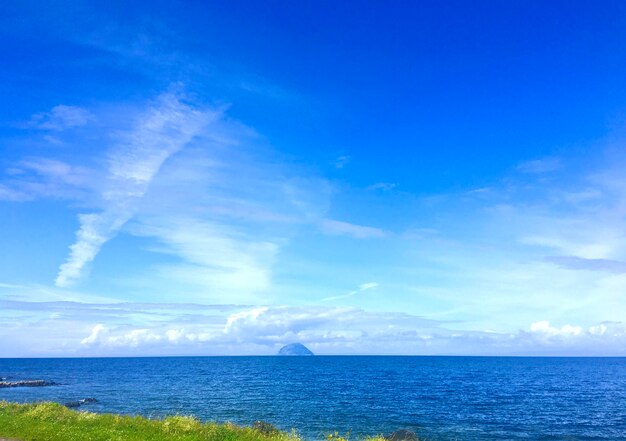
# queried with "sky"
point(226, 177)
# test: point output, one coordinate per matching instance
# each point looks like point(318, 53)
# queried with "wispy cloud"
point(382, 186)
point(217, 259)
point(61, 117)
point(11, 194)
point(161, 132)
point(579, 263)
point(538, 166)
point(85, 310)
point(362, 287)
point(55, 171)
point(342, 161)
point(35, 178)
point(340, 228)
point(198, 184)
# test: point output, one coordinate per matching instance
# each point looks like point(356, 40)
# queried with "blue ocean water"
point(439, 398)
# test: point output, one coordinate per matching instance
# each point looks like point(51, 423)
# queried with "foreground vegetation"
point(54, 422)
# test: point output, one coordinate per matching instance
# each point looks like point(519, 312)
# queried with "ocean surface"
point(439, 398)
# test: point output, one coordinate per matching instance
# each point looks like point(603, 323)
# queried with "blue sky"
point(362, 177)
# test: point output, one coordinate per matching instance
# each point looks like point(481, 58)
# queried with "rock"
point(295, 349)
point(27, 383)
point(74, 404)
point(402, 435)
point(265, 428)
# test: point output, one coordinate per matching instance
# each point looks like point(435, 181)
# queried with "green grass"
point(53, 422)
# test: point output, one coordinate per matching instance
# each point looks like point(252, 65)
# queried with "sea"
point(438, 398)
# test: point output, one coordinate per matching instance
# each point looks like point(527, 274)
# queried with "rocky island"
point(295, 349)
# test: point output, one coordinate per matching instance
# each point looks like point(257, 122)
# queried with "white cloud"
point(598, 330)
point(572, 240)
point(102, 336)
point(249, 314)
point(162, 131)
point(35, 178)
point(362, 287)
point(606, 338)
point(95, 336)
point(543, 327)
point(62, 117)
point(55, 171)
point(262, 330)
point(579, 263)
point(340, 228)
point(53, 328)
point(216, 257)
point(95, 230)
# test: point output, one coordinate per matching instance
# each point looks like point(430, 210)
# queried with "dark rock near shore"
point(402, 435)
point(74, 404)
point(265, 428)
point(295, 349)
point(27, 383)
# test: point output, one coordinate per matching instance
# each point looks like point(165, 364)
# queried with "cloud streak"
point(36, 177)
point(539, 166)
point(340, 228)
point(161, 132)
point(579, 263)
point(202, 187)
point(218, 259)
point(362, 287)
point(61, 118)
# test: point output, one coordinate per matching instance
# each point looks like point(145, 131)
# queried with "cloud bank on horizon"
point(167, 192)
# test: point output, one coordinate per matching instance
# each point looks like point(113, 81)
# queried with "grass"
point(53, 422)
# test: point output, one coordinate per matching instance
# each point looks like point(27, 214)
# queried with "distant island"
point(295, 349)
